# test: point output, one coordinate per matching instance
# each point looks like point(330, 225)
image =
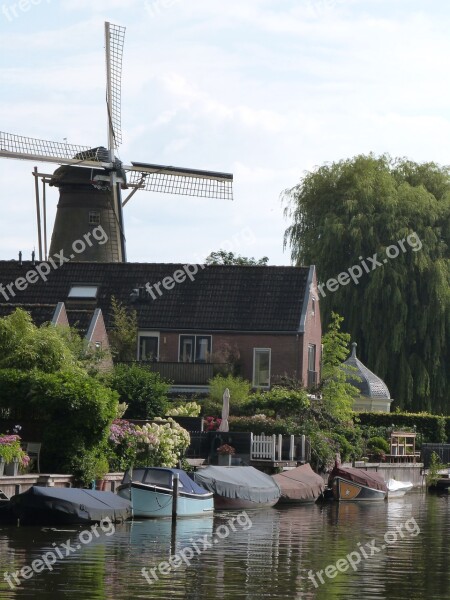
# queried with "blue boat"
point(150, 490)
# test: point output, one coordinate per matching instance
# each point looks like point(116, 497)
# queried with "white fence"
point(270, 447)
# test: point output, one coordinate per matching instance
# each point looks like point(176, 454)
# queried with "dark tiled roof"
point(220, 297)
point(41, 313)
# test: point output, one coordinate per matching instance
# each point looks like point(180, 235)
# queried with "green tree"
point(337, 392)
point(399, 312)
point(144, 391)
point(222, 257)
point(123, 334)
point(25, 346)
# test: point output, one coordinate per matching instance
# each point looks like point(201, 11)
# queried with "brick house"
point(193, 320)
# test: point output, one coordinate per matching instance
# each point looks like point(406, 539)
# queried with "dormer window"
point(83, 291)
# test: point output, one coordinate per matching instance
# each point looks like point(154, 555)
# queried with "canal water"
point(399, 550)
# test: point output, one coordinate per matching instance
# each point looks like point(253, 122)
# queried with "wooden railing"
point(270, 447)
point(180, 373)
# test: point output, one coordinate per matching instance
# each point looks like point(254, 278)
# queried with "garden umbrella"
point(225, 411)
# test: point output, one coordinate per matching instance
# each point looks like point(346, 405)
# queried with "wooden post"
point(274, 447)
point(291, 448)
point(303, 456)
point(175, 486)
point(280, 446)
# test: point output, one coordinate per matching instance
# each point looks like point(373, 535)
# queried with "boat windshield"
point(160, 477)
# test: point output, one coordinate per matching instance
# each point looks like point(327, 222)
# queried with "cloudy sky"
point(265, 89)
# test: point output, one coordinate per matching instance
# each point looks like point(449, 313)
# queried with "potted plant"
point(101, 468)
point(12, 455)
point(225, 452)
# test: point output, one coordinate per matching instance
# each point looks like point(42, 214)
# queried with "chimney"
point(32, 258)
point(20, 257)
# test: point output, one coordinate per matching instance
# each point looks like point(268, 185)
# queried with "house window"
point(312, 373)
point(98, 345)
point(261, 367)
point(148, 348)
point(313, 307)
point(311, 357)
point(195, 348)
point(83, 291)
point(94, 218)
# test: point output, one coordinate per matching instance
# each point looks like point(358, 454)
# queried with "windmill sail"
point(27, 148)
point(91, 196)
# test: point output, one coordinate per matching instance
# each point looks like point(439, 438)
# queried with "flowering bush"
point(11, 450)
point(123, 444)
point(162, 443)
point(225, 449)
point(187, 409)
point(211, 423)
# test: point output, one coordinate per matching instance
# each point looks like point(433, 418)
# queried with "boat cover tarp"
point(85, 505)
point(360, 476)
point(163, 477)
point(245, 483)
point(300, 484)
point(397, 486)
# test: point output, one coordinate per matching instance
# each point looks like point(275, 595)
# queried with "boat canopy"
point(360, 476)
point(81, 505)
point(245, 483)
point(163, 477)
point(300, 484)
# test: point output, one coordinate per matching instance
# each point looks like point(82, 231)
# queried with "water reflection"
point(277, 557)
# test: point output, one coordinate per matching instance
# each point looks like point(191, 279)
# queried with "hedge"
point(433, 428)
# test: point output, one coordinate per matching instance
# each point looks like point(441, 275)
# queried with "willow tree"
point(378, 230)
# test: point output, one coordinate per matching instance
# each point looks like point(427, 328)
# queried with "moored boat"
point(68, 506)
point(150, 491)
point(300, 485)
point(350, 484)
point(237, 488)
point(397, 489)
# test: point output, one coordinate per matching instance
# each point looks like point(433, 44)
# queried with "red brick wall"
point(313, 331)
point(100, 335)
point(286, 350)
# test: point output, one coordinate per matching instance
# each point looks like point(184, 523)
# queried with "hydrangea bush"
point(187, 409)
point(162, 443)
point(157, 444)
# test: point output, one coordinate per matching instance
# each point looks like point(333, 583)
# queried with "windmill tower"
point(91, 180)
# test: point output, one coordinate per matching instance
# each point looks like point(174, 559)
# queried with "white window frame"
point(143, 333)
point(255, 350)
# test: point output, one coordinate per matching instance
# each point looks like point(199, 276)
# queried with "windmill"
point(91, 180)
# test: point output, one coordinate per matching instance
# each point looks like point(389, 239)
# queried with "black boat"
point(68, 506)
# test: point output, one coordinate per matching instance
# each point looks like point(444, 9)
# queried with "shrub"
point(378, 443)
point(161, 443)
point(434, 470)
point(283, 402)
point(239, 390)
point(144, 391)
